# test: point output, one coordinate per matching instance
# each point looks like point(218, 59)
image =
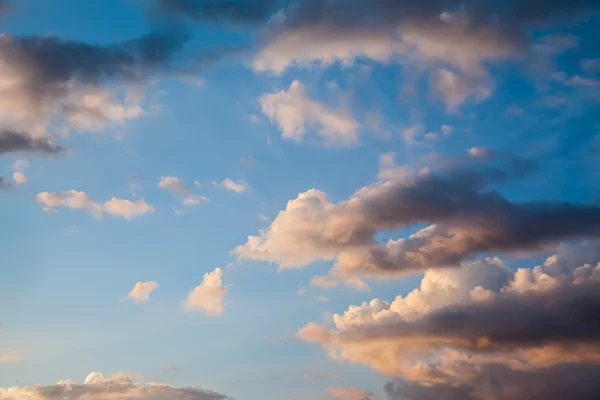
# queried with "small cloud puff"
point(208, 296)
point(141, 291)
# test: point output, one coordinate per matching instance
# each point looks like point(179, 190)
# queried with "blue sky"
point(65, 272)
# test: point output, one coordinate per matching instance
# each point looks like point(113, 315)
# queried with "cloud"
point(453, 41)
point(141, 291)
point(82, 201)
point(295, 112)
point(455, 90)
point(19, 178)
point(11, 357)
point(208, 296)
point(350, 393)
point(71, 85)
point(173, 185)
point(498, 382)
point(464, 217)
point(238, 187)
point(319, 376)
point(118, 387)
point(462, 320)
point(18, 175)
point(194, 200)
point(176, 187)
point(19, 142)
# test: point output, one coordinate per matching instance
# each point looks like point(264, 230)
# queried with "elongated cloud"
point(82, 201)
point(297, 114)
point(142, 291)
point(209, 295)
point(465, 218)
point(350, 393)
point(120, 386)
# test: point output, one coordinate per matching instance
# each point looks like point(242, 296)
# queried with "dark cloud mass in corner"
point(19, 142)
point(500, 382)
point(567, 315)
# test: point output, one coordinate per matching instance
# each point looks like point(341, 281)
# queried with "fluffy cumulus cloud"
point(466, 328)
point(209, 295)
point(141, 291)
point(96, 386)
point(350, 393)
point(82, 201)
point(464, 217)
point(295, 113)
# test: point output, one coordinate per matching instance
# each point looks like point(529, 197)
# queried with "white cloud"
point(173, 185)
point(238, 187)
point(194, 200)
point(350, 393)
point(411, 133)
point(447, 130)
point(448, 42)
point(49, 210)
point(96, 386)
point(19, 178)
point(208, 296)
point(9, 358)
point(18, 175)
point(455, 89)
point(82, 201)
point(126, 208)
point(295, 112)
point(141, 291)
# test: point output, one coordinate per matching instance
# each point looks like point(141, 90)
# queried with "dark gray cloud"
point(20, 142)
point(499, 382)
point(4, 185)
point(567, 315)
point(50, 60)
point(5, 6)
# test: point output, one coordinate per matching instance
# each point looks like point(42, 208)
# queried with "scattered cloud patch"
point(75, 200)
point(295, 113)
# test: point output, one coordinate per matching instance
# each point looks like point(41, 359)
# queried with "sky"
point(302, 200)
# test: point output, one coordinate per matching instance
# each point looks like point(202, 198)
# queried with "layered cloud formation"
point(120, 386)
point(465, 217)
point(466, 327)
